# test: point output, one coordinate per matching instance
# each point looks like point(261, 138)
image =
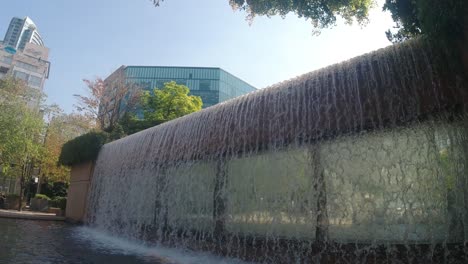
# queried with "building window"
point(4, 70)
point(205, 85)
point(35, 81)
point(21, 75)
point(145, 85)
point(160, 83)
point(190, 76)
point(27, 66)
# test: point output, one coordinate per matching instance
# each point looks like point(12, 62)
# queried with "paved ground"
point(29, 215)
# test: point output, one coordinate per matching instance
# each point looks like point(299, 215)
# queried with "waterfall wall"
point(371, 151)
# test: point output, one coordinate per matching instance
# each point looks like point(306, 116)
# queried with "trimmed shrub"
point(42, 196)
point(59, 202)
point(53, 189)
point(83, 148)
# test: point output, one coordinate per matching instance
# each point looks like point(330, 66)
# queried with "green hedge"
point(83, 148)
point(59, 202)
point(42, 196)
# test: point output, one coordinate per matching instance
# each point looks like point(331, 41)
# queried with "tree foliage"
point(322, 13)
point(20, 124)
point(117, 132)
point(440, 20)
point(158, 106)
point(443, 20)
point(61, 128)
point(107, 100)
point(161, 105)
point(83, 148)
point(131, 124)
point(169, 102)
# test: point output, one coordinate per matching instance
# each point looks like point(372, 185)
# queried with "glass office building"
point(213, 85)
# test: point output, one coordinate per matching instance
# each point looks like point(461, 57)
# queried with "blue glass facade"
point(213, 85)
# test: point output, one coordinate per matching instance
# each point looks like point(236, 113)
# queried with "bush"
point(59, 202)
point(53, 189)
point(83, 148)
point(42, 196)
point(116, 133)
point(12, 196)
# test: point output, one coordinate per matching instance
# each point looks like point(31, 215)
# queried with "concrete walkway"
point(28, 215)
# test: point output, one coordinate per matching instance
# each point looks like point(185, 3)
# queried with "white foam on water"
point(103, 241)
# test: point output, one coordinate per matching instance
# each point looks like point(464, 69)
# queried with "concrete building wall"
point(80, 178)
point(30, 65)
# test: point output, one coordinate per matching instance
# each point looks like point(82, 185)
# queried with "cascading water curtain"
point(364, 161)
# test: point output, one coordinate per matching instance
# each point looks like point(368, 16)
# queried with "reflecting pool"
point(23, 241)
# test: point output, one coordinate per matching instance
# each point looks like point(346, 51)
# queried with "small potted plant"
point(40, 203)
point(58, 205)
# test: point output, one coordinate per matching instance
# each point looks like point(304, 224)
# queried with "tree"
point(442, 20)
point(322, 13)
point(131, 124)
point(162, 105)
point(21, 124)
point(170, 102)
point(108, 100)
point(117, 132)
point(60, 129)
point(438, 19)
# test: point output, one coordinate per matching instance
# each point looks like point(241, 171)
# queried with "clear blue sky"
point(90, 38)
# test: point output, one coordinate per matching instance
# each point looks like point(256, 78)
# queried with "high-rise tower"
point(23, 54)
point(20, 32)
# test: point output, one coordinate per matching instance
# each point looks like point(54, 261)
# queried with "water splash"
point(363, 160)
point(150, 253)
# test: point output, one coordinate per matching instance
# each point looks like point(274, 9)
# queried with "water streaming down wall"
point(363, 160)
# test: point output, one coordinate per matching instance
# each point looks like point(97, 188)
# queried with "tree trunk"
point(21, 193)
point(39, 182)
point(24, 181)
point(4, 181)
